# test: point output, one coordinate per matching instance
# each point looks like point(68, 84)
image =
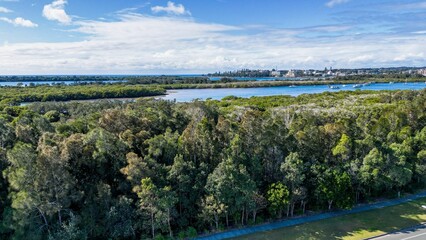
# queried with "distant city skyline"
point(192, 36)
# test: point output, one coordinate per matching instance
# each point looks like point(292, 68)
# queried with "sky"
point(202, 36)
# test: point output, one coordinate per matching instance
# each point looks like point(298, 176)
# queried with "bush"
point(181, 235)
point(191, 232)
point(53, 116)
point(160, 237)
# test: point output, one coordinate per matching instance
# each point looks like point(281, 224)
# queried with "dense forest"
point(16, 95)
point(158, 169)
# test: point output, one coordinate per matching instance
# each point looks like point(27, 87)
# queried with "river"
point(28, 83)
point(186, 95)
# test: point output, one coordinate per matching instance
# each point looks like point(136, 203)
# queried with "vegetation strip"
point(14, 95)
point(313, 218)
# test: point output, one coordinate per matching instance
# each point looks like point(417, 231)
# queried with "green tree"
point(182, 176)
point(293, 170)
point(167, 204)
point(148, 201)
point(335, 187)
point(343, 148)
point(212, 210)
point(233, 187)
point(278, 197)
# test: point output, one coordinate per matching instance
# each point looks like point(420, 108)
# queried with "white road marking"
point(414, 236)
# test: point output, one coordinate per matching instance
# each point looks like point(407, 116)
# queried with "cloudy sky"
point(201, 36)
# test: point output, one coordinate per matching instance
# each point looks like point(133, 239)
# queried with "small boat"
point(292, 86)
point(391, 82)
point(357, 86)
point(344, 86)
point(334, 87)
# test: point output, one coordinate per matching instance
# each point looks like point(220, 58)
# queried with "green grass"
point(355, 226)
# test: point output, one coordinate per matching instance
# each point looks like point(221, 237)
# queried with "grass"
point(355, 226)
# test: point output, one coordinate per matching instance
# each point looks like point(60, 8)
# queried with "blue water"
point(265, 78)
point(27, 83)
point(186, 95)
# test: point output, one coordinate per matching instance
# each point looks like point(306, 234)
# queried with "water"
point(27, 83)
point(186, 95)
point(265, 78)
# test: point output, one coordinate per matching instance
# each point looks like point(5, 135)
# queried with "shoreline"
point(256, 84)
point(173, 91)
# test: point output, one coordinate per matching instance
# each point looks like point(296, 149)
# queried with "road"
point(316, 217)
point(413, 233)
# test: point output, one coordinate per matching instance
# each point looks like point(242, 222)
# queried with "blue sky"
point(200, 36)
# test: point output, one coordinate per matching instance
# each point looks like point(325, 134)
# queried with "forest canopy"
point(156, 169)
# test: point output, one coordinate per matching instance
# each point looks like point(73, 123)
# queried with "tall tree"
point(149, 201)
point(278, 197)
point(293, 170)
point(233, 187)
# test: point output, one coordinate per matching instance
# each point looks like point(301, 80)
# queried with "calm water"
point(265, 78)
point(27, 83)
point(186, 95)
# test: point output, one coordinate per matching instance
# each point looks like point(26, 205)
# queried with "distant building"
point(276, 73)
point(422, 72)
point(290, 74)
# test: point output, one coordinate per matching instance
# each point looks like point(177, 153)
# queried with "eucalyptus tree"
point(232, 186)
point(293, 170)
point(182, 177)
point(158, 203)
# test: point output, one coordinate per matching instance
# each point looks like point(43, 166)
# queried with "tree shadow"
point(354, 226)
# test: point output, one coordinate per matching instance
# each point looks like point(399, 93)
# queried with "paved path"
point(413, 233)
point(313, 218)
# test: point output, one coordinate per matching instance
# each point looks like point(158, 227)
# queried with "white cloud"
point(5, 10)
point(56, 12)
point(171, 8)
point(141, 44)
point(333, 3)
point(19, 22)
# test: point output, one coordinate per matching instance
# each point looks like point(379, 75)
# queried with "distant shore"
point(255, 84)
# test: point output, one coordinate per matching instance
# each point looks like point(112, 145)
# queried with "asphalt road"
point(316, 217)
point(413, 233)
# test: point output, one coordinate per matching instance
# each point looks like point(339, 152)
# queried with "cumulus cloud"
point(141, 44)
point(55, 11)
point(5, 10)
point(333, 3)
point(19, 22)
point(171, 8)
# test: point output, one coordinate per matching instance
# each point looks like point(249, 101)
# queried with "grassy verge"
point(354, 226)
